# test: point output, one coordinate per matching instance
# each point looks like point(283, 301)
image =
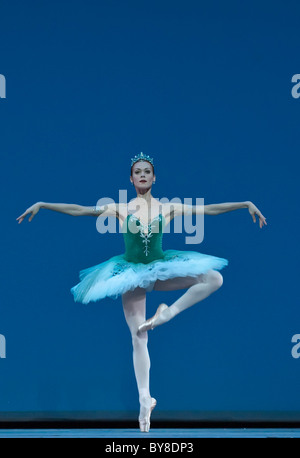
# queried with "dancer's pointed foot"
point(144, 421)
point(151, 323)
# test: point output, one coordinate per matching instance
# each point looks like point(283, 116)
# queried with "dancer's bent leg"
point(199, 288)
point(134, 306)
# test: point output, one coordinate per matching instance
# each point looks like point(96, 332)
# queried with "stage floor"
point(154, 432)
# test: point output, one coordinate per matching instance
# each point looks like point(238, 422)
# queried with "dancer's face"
point(142, 175)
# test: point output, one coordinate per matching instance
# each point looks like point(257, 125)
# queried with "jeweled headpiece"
point(141, 157)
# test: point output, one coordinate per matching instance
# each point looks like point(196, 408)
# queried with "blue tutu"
point(141, 265)
point(116, 275)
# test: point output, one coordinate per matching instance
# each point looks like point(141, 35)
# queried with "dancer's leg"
point(134, 306)
point(198, 289)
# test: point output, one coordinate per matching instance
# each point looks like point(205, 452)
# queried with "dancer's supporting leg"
point(134, 306)
point(198, 289)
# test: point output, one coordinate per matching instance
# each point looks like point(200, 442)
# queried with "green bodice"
point(141, 246)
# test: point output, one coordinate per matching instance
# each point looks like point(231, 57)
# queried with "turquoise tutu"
point(115, 276)
point(143, 262)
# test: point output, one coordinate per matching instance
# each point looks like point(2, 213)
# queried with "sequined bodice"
point(143, 243)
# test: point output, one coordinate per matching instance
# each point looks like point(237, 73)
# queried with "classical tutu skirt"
point(115, 276)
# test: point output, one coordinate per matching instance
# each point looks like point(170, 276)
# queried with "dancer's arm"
point(217, 209)
point(70, 209)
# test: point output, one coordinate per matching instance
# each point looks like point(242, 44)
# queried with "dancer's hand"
point(33, 210)
point(254, 210)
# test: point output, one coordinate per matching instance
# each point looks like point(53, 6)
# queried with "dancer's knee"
point(214, 278)
point(139, 340)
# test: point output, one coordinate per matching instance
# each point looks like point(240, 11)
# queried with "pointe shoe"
point(145, 422)
point(150, 323)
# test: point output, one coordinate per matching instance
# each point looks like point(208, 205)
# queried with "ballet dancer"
point(145, 266)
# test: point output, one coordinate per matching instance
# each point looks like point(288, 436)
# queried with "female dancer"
point(145, 266)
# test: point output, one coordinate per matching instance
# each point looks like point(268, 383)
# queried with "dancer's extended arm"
point(70, 209)
point(217, 209)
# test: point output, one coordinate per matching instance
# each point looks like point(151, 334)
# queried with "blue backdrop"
point(205, 88)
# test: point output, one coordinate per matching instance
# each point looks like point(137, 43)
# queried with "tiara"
point(141, 157)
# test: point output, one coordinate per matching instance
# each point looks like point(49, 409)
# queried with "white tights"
point(201, 287)
point(134, 306)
